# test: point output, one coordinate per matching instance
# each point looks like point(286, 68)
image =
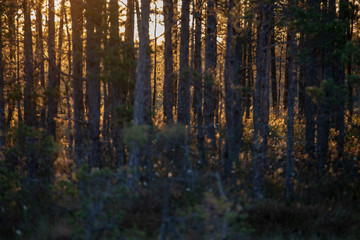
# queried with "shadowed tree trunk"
point(261, 97)
point(290, 105)
point(350, 31)
point(340, 81)
point(287, 66)
point(210, 72)
point(29, 101)
point(29, 98)
point(228, 75)
point(323, 113)
point(93, 37)
point(39, 58)
point(250, 74)
point(273, 67)
point(12, 29)
point(184, 71)
point(52, 89)
point(2, 100)
point(302, 76)
point(117, 84)
point(77, 48)
point(140, 87)
point(198, 83)
point(234, 78)
point(168, 94)
point(310, 81)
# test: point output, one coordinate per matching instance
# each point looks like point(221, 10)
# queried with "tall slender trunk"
point(2, 99)
point(310, 80)
point(176, 53)
point(323, 113)
point(168, 90)
point(210, 72)
point(290, 106)
point(140, 87)
point(93, 37)
point(155, 62)
point(39, 59)
point(53, 88)
point(287, 66)
point(228, 75)
point(68, 91)
point(29, 98)
point(18, 100)
point(129, 52)
point(184, 71)
point(198, 83)
point(77, 48)
point(12, 29)
point(250, 74)
point(261, 97)
point(302, 76)
point(340, 82)
point(273, 66)
point(118, 84)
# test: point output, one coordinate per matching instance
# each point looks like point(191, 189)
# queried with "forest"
point(179, 119)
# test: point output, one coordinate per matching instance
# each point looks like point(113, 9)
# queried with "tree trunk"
point(53, 88)
point(29, 98)
point(250, 74)
point(39, 59)
point(168, 94)
point(228, 75)
point(210, 72)
point(302, 77)
point(198, 84)
point(140, 87)
point(129, 52)
point(2, 99)
point(310, 81)
point(155, 63)
point(290, 113)
point(117, 82)
point(93, 37)
point(12, 30)
point(184, 71)
point(261, 97)
point(77, 48)
point(273, 67)
point(287, 72)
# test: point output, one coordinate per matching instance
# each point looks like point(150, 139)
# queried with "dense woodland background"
point(192, 119)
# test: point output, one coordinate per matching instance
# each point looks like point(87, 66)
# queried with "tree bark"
point(210, 72)
point(77, 48)
point(198, 84)
point(261, 97)
point(140, 87)
point(117, 82)
point(184, 71)
point(39, 59)
point(310, 81)
point(273, 67)
point(168, 89)
point(130, 53)
point(93, 43)
point(52, 89)
point(29, 98)
point(2, 81)
point(290, 114)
